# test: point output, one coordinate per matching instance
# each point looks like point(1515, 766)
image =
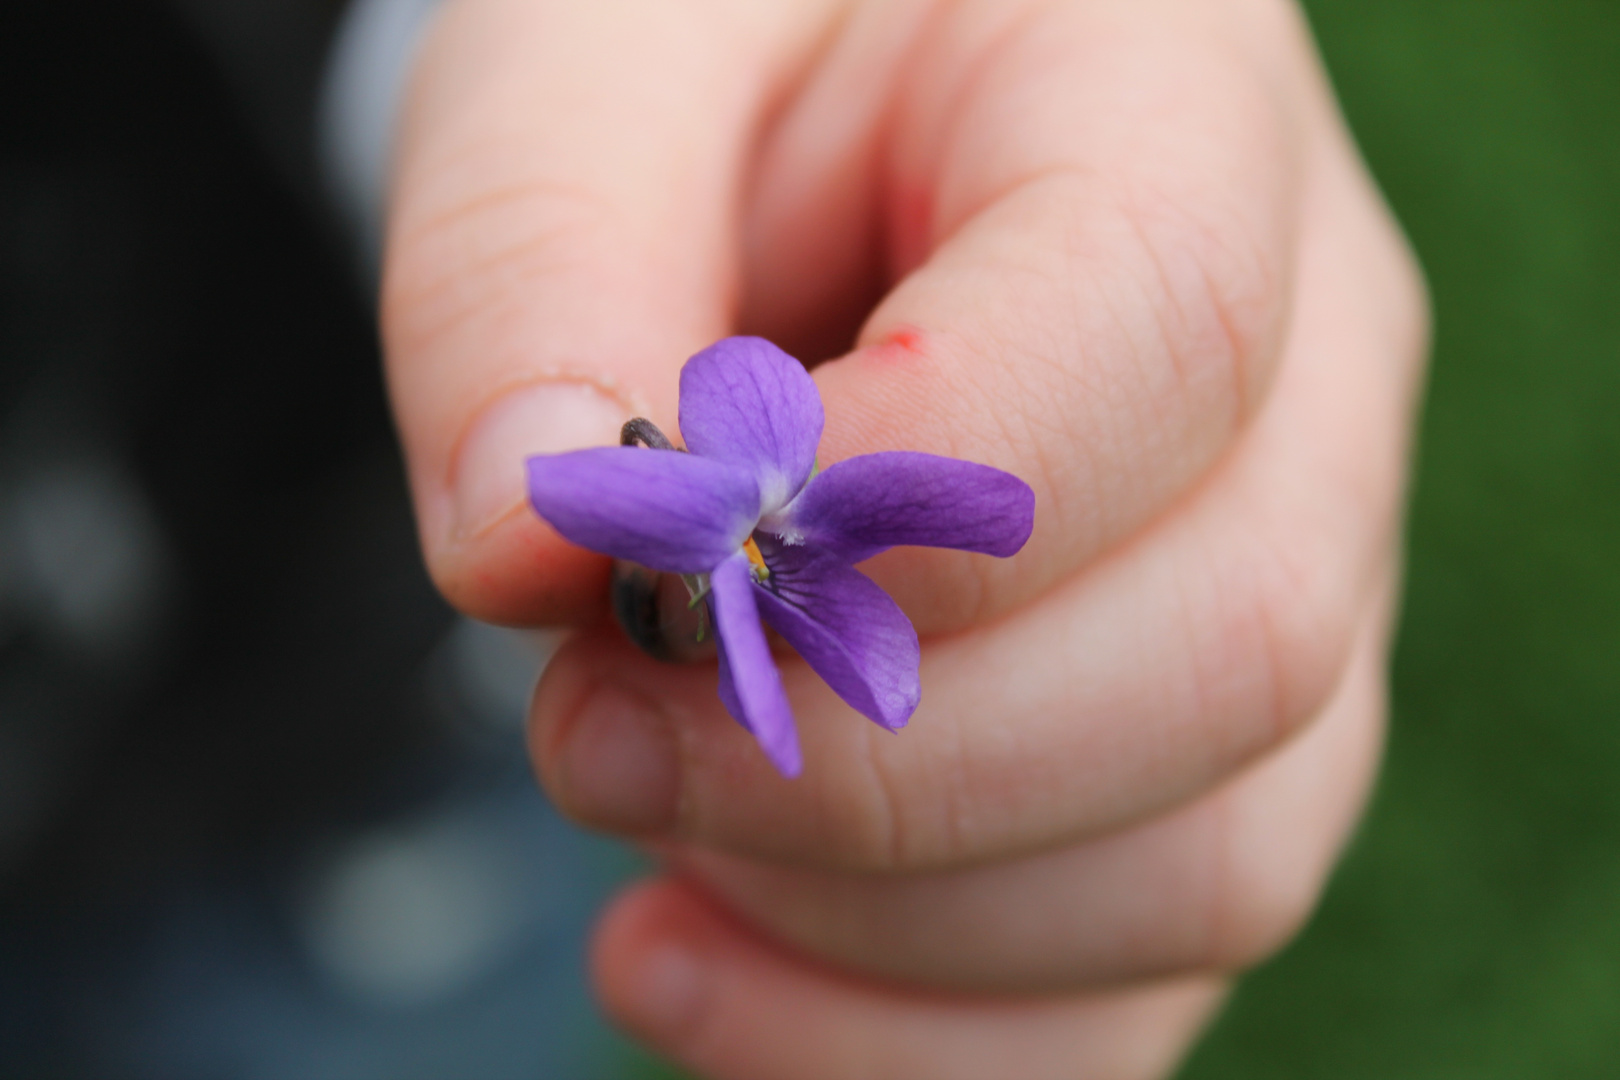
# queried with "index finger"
point(1073, 320)
point(1089, 212)
point(562, 235)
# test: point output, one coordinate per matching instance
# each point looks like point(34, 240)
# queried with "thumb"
point(561, 239)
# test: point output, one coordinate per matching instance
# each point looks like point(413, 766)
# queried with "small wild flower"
point(758, 533)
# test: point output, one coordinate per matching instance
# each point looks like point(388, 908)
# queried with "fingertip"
point(651, 961)
point(519, 572)
point(550, 416)
point(675, 971)
point(609, 758)
point(488, 552)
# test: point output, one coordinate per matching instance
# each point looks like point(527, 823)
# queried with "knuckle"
point(1277, 23)
point(487, 248)
point(1281, 631)
point(1263, 904)
point(1305, 609)
point(1409, 304)
point(887, 839)
point(901, 815)
point(1218, 297)
point(851, 818)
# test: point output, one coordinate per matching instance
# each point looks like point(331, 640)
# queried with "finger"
point(697, 987)
point(1140, 683)
point(1214, 886)
point(1094, 207)
point(562, 236)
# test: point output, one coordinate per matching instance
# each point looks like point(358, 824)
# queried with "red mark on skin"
point(906, 338)
point(904, 343)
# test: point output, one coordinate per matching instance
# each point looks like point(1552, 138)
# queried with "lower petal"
point(728, 693)
point(751, 687)
point(846, 628)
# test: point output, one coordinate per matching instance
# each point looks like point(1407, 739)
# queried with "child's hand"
point(1120, 248)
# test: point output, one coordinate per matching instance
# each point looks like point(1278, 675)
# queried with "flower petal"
point(728, 693)
point(663, 509)
point(866, 504)
point(746, 402)
point(845, 627)
point(751, 687)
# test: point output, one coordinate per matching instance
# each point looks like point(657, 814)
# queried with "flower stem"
point(644, 432)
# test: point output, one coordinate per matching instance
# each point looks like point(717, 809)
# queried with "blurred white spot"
point(365, 79)
point(493, 670)
point(85, 557)
point(407, 917)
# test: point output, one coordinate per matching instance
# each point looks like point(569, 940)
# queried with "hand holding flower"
point(770, 540)
point(1123, 251)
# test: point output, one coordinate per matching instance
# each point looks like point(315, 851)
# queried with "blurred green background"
point(1473, 930)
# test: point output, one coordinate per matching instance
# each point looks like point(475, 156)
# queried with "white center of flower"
point(773, 493)
point(779, 523)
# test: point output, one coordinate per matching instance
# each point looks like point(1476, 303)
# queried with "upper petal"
point(746, 402)
point(846, 628)
point(751, 687)
point(859, 507)
point(661, 508)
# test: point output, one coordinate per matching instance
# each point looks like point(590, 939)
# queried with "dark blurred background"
point(263, 806)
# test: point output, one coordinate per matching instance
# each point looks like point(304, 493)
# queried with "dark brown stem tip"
point(644, 432)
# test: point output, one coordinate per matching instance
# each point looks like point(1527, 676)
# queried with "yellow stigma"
point(756, 560)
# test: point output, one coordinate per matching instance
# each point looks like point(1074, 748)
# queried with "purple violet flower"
point(759, 534)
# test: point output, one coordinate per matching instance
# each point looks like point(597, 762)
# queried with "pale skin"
point(1123, 249)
